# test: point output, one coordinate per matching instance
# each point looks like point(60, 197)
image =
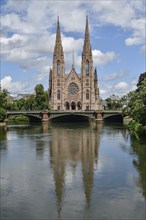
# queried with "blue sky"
point(117, 34)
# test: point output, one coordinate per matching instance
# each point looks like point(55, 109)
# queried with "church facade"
point(73, 92)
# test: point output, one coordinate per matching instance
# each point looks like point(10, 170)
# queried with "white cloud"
point(103, 91)
point(131, 19)
point(15, 87)
point(114, 76)
point(138, 36)
point(32, 25)
point(120, 89)
point(121, 86)
point(70, 44)
point(101, 58)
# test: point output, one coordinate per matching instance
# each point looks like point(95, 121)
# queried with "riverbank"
point(18, 120)
point(137, 129)
point(2, 124)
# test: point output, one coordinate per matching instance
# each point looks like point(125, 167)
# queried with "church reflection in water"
point(74, 148)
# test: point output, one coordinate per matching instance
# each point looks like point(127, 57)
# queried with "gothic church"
point(73, 92)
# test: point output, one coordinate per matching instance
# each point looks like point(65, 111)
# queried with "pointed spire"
point(87, 46)
point(95, 74)
point(50, 75)
point(58, 49)
point(58, 35)
point(73, 60)
point(87, 37)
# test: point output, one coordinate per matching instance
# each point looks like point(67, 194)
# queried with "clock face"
point(73, 89)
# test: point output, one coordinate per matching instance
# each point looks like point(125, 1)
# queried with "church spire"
point(87, 37)
point(58, 35)
point(58, 50)
point(87, 46)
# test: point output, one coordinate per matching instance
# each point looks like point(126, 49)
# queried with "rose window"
point(73, 89)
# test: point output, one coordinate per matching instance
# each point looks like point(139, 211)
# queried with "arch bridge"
point(42, 116)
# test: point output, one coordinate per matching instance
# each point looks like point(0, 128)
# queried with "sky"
point(117, 35)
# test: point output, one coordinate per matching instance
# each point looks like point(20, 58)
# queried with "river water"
point(72, 171)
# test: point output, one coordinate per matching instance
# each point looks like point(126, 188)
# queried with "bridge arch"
point(69, 117)
point(113, 118)
point(33, 118)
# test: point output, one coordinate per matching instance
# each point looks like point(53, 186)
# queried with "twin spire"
point(58, 45)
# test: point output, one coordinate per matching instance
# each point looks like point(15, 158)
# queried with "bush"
point(2, 114)
point(137, 129)
point(18, 119)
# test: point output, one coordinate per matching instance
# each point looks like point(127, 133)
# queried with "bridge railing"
point(24, 112)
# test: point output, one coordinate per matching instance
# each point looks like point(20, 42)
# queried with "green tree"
point(41, 97)
point(30, 103)
point(20, 104)
point(3, 103)
point(112, 104)
point(3, 98)
point(2, 114)
point(137, 104)
point(141, 78)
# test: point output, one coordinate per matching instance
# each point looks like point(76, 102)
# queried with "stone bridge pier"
point(99, 116)
point(45, 116)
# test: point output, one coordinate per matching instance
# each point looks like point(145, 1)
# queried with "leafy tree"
point(20, 104)
point(30, 103)
point(3, 103)
point(3, 98)
point(41, 97)
point(2, 114)
point(112, 104)
point(137, 104)
point(141, 78)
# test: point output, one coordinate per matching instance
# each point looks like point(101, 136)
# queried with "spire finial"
point(73, 60)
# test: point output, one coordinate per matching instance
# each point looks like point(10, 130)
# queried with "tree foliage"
point(37, 101)
point(137, 103)
point(41, 97)
point(2, 114)
point(141, 78)
point(112, 104)
point(3, 98)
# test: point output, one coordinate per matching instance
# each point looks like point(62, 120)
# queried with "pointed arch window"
point(58, 94)
point(87, 94)
point(58, 67)
point(67, 105)
point(87, 67)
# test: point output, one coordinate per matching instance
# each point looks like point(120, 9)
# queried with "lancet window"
point(58, 68)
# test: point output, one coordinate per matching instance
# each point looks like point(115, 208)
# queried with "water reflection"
point(139, 149)
point(70, 147)
point(77, 171)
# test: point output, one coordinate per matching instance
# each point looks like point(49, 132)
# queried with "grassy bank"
point(2, 124)
point(136, 129)
point(18, 120)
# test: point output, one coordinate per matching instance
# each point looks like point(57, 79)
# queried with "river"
point(72, 171)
